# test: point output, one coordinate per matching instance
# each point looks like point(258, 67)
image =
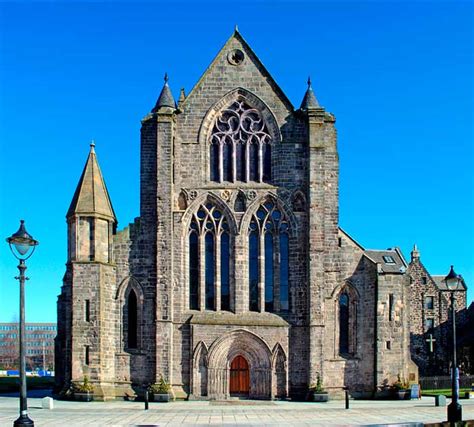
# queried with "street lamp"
point(22, 246)
point(453, 284)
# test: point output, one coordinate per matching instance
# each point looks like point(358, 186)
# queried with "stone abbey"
point(235, 280)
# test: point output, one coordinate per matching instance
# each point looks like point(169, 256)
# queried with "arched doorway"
point(239, 377)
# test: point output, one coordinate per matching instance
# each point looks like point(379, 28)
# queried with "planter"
point(403, 394)
point(320, 397)
point(83, 397)
point(161, 397)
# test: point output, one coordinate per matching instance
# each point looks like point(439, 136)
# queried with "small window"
point(424, 280)
point(339, 242)
point(87, 355)
point(429, 303)
point(87, 310)
point(388, 259)
point(429, 324)
point(389, 345)
point(390, 307)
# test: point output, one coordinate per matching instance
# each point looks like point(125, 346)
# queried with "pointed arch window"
point(344, 323)
point(209, 260)
point(269, 243)
point(240, 147)
point(347, 321)
point(132, 332)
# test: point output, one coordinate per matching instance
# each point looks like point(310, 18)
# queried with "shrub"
point(318, 387)
point(161, 387)
point(85, 387)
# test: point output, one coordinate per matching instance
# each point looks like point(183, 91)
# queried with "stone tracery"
point(240, 147)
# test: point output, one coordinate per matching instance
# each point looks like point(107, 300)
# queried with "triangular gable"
point(237, 37)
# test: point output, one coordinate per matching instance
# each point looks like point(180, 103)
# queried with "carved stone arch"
point(256, 352)
point(298, 201)
point(279, 372)
point(258, 201)
point(213, 198)
point(182, 203)
point(126, 284)
point(200, 370)
point(239, 94)
point(122, 296)
point(347, 346)
point(240, 202)
point(277, 350)
point(348, 285)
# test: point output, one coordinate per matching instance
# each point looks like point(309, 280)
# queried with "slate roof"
point(91, 196)
point(166, 97)
point(309, 100)
point(399, 265)
point(441, 284)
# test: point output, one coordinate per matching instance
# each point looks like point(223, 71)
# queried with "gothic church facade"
point(236, 279)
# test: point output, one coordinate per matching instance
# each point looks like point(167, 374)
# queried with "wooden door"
point(239, 377)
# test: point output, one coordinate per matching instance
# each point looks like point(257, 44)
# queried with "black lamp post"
point(22, 246)
point(453, 282)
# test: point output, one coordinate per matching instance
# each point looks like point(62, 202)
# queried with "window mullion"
point(276, 272)
point(217, 272)
point(260, 161)
point(202, 272)
point(221, 161)
point(261, 272)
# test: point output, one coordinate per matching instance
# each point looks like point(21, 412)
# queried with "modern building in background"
point(39, 342)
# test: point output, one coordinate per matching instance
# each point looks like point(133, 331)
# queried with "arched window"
point(132, 324)
point(344, 323)
point(269, 271)
point(210, 265)
point(193, 270)
point(253, 267)
point(269, 242)
point(346, 304)
point(225, 273)
point(209, 241)
point(284, 270)
point(240, 145)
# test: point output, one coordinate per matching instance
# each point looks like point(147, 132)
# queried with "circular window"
point(236, 57)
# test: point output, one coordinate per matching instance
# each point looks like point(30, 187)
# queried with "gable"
point(226, 73)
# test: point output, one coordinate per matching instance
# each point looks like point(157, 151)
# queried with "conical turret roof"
point(166, 97)
point(309, 100)
point(91, 196)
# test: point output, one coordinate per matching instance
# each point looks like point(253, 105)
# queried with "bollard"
point(347, 399)
point(146, 400)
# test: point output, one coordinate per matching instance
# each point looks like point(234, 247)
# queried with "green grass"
point(11, 384)
point(445, 391)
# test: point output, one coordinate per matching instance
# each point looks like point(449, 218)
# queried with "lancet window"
point(209, 260)
point(240, 146)
point(347, 321)
point(268, 259)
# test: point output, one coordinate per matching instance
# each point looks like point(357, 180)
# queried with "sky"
point(397, 75)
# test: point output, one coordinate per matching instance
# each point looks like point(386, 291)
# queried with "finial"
point(236, 28)
point(309, 82)
point(415, 253)
point(166, 78)
point(92, 145)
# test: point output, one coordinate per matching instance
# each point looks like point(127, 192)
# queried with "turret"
point(91, 218)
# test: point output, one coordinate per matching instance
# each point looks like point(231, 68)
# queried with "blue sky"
point(398, 77)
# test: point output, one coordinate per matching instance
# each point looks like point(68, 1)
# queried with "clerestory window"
point(240, 146)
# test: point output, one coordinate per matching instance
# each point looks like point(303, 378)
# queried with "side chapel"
point(235, 280)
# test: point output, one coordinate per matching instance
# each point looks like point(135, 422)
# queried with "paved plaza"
point(231, 413)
